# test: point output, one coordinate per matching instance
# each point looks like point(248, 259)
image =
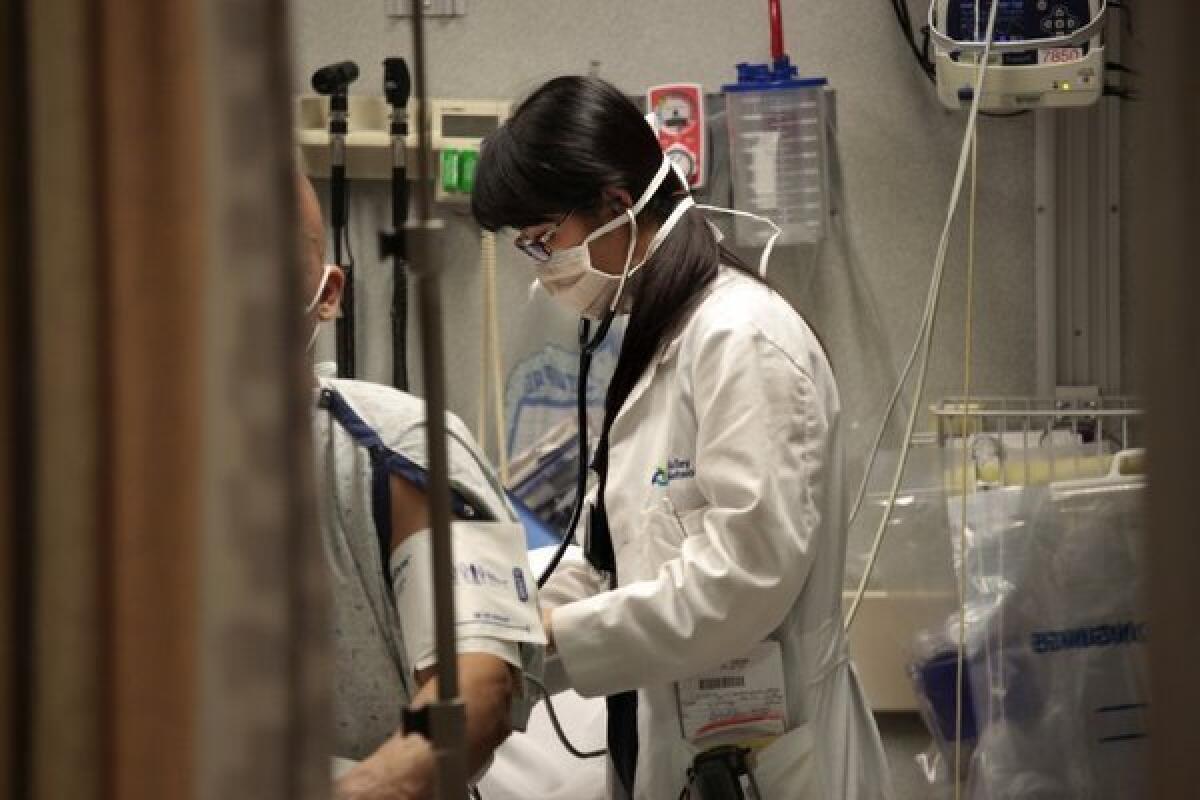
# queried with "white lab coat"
point(741, 415)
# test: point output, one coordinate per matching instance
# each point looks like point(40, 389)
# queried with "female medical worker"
point(718, 526)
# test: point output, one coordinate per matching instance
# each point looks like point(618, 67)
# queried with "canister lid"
point(781, 74)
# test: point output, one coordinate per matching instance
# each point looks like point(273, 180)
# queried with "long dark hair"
point(564, 145)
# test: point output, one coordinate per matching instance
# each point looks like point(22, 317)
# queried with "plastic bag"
point(1055, 655)
point(1056, 639)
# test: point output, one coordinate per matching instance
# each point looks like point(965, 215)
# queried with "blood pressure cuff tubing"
point(495, 601)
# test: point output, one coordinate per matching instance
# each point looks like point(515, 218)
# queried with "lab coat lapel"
point(645, 381)
point(631, 401)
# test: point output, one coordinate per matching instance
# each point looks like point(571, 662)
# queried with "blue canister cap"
point(781, 74)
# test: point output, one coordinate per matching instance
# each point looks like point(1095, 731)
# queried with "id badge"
point(740, 700)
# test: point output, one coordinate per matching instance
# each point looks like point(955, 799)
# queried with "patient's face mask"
point(312, 305)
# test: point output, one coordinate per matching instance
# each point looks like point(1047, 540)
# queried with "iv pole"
point(444, 719)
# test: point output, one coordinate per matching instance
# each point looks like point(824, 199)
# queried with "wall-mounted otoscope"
point(334, 80)
point(397, 87)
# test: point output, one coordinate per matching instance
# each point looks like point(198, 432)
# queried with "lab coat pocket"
point(789, 767)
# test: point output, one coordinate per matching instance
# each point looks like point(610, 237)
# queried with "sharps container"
point(778, 142)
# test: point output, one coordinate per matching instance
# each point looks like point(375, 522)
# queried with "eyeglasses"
point(537, 248)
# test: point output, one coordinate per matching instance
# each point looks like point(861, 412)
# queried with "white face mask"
point(569, 277)
point(312, 340)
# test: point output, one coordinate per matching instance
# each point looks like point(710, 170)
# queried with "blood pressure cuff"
point(495, 601)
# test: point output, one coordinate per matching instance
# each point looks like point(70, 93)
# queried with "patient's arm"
point(410, 510)
point(486, 684)
point(401, 769)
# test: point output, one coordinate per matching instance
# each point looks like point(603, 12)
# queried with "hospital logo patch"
point(676, 469)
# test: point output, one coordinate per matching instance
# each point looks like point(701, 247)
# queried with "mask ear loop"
point(766, 253)
point(637, 208)
point(320, 289)
point(659, 237)
point(770, 245)
point(626, 272)
point(663, 170)
point(668, 225)
point(682, 178)
point(312, 340)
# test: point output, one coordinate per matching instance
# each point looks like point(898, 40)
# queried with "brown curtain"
point(162, 597)
point(16, 415)
point(1166, 211)
point(265, 650)
point(68, 361)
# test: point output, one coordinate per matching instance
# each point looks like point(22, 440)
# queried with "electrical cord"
point(960, 671)
point(341, 245)
point(349, 248)
point(346, 238)
point(856, 507)
point(920, 53)
point(925, 41)
point(1127, 10)
point(558, 729)
point(491, 382)
point(924, 340)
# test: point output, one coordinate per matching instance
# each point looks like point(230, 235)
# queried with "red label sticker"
point(1060, 55)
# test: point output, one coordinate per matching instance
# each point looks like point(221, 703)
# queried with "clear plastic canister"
point(777, 139)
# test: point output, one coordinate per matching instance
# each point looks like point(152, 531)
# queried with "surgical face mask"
point(569, 277)
point(316, 299)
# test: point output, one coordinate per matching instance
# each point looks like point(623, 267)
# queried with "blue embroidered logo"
point(519, 582)
point(676, 469)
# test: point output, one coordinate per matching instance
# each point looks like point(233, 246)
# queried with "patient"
point(374, 678)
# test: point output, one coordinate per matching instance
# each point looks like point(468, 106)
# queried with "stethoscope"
point(587, 348)
point(588, 344)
